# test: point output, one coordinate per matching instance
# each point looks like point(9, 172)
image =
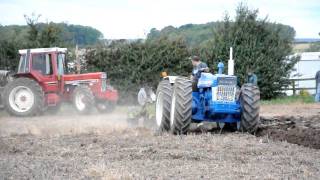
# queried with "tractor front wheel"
point(181, 106)
point(249, 99)
point(83, 99)
point(23, 97)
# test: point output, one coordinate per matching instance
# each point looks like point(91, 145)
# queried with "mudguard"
point(4, 77)
point(206, 80)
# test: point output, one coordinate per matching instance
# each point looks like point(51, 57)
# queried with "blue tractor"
point(218, 99)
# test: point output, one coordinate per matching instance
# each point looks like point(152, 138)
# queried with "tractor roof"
point(43, 50)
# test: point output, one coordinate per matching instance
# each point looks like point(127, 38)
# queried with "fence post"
point(294, 87)
point(78, 62)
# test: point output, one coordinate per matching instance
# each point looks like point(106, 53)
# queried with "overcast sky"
point(134, 18)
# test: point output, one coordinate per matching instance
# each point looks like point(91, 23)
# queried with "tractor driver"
point(252, 78)
point(198, 67)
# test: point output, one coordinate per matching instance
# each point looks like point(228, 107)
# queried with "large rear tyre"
point(83, 99)
point(249, 99)
point(163, 105)
point(23, 97)
point(181, 106)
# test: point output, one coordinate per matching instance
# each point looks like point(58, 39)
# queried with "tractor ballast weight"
point(218, 99)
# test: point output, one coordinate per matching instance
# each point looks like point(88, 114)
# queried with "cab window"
point(61, 64)
point(42, 63)
point(23, 65)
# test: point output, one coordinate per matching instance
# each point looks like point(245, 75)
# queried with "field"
point(69, 146)
point(301, 47)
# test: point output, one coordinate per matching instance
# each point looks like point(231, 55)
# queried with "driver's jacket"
point(196, 69)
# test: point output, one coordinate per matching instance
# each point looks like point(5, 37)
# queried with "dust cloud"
point(65, 122)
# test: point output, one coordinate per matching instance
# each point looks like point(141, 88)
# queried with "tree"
point(32, 22)
point(50, 36)
point(258, 45)
point(42, 34)
point(36, 34)
point(8, 55)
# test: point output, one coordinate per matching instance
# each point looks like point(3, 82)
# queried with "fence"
point(294, 87)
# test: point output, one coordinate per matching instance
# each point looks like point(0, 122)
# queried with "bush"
point(132, 65)
point(304, 93)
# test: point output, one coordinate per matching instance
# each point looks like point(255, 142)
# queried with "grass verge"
point(289, 100)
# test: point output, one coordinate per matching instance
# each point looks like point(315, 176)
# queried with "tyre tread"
point(250, 97)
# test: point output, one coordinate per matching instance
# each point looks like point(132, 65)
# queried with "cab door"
point(42, 68)
point(61, 69)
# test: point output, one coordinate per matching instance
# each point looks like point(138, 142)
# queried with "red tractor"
point(42, 83)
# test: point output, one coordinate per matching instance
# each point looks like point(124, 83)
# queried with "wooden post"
point(294, 87)
point(78, 63)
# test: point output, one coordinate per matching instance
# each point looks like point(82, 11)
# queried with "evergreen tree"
point(258, 45)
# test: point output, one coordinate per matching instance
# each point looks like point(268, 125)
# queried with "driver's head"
point(250, 71)
point(195, 60)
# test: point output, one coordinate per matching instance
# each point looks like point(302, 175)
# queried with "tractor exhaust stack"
point(231, 63)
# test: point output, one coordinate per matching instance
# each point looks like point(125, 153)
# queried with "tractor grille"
point(224, 93)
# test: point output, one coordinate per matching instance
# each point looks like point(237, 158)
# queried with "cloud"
point(134, 18)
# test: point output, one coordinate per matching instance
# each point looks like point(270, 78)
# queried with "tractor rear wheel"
point(249, 99)
point(163, 105)
point(23, 97)
point(83, 99)
point(181, 106)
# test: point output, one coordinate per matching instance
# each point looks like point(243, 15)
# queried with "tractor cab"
point(46, 65)
point(41, 60)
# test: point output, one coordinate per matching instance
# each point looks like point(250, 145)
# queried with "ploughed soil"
point(304, 131)
point(297, 123)
point(103, 146)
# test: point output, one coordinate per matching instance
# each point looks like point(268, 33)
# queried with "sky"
point(131, 19)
